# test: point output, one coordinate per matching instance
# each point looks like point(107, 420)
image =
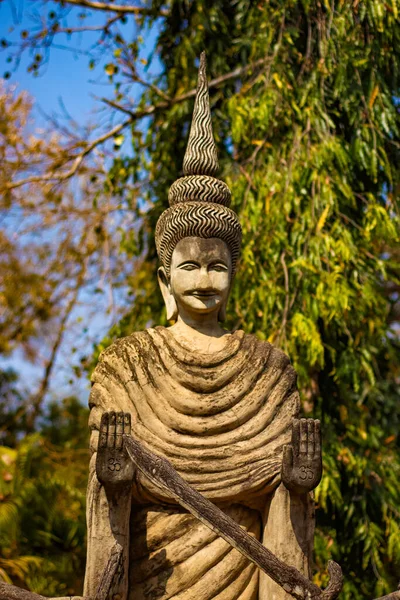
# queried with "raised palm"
point(302, 459)
point(114, 468)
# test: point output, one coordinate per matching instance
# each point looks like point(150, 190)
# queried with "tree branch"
point(69, 30)
point(119, 8)
point(11, 592)
point(153, 87)
point(39, 396)
point(77, 160)
point(187, 95)
point(134, 115)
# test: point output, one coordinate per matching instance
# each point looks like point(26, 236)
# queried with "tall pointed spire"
point(199, 202)
point(201, 153)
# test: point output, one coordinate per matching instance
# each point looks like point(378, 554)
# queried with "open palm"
point(302, 459)
point(114, 468)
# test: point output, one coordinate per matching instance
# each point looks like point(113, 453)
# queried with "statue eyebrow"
point(189, 262)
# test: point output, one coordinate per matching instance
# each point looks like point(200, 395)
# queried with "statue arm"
point(108, 508)
point(288, 531)
point(288, 520)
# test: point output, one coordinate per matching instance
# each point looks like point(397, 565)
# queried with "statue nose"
point(204, 280)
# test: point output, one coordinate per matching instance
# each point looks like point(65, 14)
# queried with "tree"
point(58, 244)
point(42, 504)
point(305, 105)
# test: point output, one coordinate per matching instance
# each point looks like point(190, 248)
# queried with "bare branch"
point(119, 8)
point(134, 115)
point(152, 87)
point(77, 160)
point(44, 385)
point(11, 592)
point(187, 95)
point(69, 30)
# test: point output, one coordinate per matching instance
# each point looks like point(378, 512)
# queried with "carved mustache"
point(206, 292)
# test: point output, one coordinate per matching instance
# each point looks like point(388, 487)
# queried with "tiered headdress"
point(198, 201)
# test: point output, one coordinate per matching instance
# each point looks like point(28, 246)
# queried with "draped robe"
point(221, 419)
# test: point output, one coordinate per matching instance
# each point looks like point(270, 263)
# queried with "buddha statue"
point(221, 406)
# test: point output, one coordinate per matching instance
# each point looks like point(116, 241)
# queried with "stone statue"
point(221, 406)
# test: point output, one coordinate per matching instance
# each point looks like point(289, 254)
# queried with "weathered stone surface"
point(222, 417)
point(218, 405)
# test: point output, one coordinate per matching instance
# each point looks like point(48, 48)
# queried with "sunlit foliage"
point(306, 118)
point(309, 143)
point(42, 504)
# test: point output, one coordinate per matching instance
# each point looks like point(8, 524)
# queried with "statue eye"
point(189, 266)
point(220, 268)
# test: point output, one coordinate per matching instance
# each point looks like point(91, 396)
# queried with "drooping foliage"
point(306, 111)
point(309, 143)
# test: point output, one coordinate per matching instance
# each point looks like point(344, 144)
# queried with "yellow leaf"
point(322, 219)
point(373, 96)
point(267, 203)
point(110, 69)
point(278, 82)
point(390, 439)
point(119, 139)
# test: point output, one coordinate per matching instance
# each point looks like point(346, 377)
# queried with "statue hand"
point(302, 459)
point(114, 468)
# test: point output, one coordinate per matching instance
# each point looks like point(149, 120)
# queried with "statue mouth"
point(203, 294)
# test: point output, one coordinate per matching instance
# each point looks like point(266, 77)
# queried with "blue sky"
point(65, 77)
point(67, 74)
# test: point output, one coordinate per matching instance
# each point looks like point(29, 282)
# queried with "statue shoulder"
point(119, 356)
point(276, 357)
point(130, 343)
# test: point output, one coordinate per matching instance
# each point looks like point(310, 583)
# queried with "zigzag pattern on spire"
point(200, 188)
point(201, 153)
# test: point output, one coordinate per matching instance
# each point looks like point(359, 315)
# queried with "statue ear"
point(169, 300)
point(222, 313)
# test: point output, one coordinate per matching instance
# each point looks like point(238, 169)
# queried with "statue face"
point(200, 275)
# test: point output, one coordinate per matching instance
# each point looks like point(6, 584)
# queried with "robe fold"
point(221, 419)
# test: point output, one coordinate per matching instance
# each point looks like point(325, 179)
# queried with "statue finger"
point(311, 438)
point(111, 430)
point(303, 437)
point(317, 437)
point(119, 430)
point(296, 437)
point(127, 424)
point(287, 459)
point(103, 431)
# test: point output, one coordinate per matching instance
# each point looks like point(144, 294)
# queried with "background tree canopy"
point(306, 108)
